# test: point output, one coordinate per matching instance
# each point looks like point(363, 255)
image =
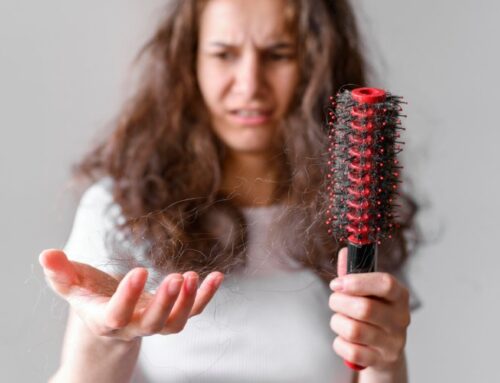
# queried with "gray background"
point(65, 69)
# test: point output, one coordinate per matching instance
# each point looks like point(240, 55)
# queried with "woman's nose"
point(249, 76)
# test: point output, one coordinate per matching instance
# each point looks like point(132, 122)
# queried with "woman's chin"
point(249, 148)
point(250, 143)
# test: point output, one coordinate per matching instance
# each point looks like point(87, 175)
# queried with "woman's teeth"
point(249, 113)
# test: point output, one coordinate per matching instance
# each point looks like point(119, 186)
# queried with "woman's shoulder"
point(97, 201)
point(96, 216)
point(99, 193)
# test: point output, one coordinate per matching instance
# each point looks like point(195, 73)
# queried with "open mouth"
point(250, 116)
point(250, 112)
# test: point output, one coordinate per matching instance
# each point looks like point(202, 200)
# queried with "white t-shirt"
point(269, 323)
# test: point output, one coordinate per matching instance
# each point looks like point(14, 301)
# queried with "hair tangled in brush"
point(364, 168)
point(165, 162)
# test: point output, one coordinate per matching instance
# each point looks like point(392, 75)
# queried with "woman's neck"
point(251, 179)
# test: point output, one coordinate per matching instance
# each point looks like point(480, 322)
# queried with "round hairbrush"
point(363, 174)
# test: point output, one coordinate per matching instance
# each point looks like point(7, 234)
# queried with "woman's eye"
point(279, 56)
point(224, 55)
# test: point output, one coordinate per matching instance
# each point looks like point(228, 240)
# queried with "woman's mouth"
point(250, 116)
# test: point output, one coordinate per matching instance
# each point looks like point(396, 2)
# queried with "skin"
point(246, 59)
point(249, 61)
point(119, 308)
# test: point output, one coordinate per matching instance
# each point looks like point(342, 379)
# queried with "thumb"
point(59, 271)
point(342, 262)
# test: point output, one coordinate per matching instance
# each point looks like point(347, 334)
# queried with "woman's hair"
point(165, 161)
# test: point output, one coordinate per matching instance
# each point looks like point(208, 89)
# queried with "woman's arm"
point(87, 357)
point(109, 315)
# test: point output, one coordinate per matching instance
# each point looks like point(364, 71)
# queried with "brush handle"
point(360, 259)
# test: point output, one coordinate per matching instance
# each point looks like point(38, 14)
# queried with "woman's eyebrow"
point(272, 46)
point(218, 44)
point(280, 45)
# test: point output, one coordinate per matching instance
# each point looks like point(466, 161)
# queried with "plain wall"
point(64, 70)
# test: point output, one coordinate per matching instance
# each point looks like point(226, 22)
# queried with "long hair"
point(166, 163)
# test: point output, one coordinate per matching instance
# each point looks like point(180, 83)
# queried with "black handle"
point(361, 258)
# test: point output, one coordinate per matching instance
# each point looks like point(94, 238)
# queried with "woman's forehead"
point(235, 22)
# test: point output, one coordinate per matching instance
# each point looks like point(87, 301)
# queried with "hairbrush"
point(363, 173)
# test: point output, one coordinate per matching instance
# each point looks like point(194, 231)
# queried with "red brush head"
point(363, 169)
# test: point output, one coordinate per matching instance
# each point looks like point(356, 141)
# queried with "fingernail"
point(337, 284)
point(174, 286)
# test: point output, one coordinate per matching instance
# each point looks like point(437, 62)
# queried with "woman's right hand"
point(120, 309)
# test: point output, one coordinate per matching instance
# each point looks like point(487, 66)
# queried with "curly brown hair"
point(166, 163)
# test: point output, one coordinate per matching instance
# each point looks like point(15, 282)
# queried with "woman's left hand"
point(371, 317)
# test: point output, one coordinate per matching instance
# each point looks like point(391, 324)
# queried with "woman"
point(214, 171)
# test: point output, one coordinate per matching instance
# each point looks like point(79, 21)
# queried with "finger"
point(206, 292)
point(180, 312)
point(121, 305)
point(358, 332)
point(59, 271)
point(355, 353)
point(156, 314)
point(342, 262)
point(376, 284)
point(366, 310)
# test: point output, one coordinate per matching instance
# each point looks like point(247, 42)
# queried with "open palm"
point(118, 307)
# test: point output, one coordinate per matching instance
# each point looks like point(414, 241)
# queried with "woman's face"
point(247, 70)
